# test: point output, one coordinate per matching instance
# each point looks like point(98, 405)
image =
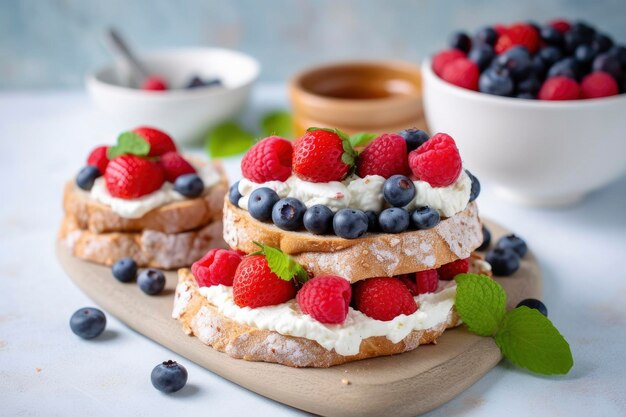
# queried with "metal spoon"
point(117, 44)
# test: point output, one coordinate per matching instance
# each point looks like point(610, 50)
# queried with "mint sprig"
point(278, 122)
point(282, 264)
point(524, 336)
point(362, 139)
point(129, 143)
point(228, 139)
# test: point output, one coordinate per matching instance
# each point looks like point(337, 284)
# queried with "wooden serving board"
point(402, 385)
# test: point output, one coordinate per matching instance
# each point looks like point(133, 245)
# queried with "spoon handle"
point(118, 45)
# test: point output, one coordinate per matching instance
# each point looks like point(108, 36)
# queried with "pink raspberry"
point(218, 266)
point(383, 298)
point(443, 58)
point(427, 281)
point(326, 298)
point(437, 161)
point(559, 88)
point(448, 271)
point(268, 160)
point(463, 73)
point(598, 84)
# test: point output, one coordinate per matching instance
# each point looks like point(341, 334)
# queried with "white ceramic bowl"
point(536, 152)
point(186, 114)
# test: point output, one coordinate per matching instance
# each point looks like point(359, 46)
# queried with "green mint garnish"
point(278, 123)
point(228, 139)
point(282, 264)
point(129, 143)
point(525, 336)
point(362, 139)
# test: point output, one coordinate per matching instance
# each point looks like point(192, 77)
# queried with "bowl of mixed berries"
point(530, 105)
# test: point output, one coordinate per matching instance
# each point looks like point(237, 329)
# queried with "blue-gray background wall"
point(53, 43)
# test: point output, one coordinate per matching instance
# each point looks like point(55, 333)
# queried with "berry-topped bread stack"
point(142, 199)
point(337, 255)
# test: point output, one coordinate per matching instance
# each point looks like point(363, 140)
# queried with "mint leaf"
point(529, 340)
point(362, 139)
point(228, 139)
point(129, 143)
point(278, 123)
point(480, 302)
point(282, 264)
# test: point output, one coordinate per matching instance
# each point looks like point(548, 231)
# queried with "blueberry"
point(350, 223)
point(372, 221)
point(585, 54)
point(583, 29)
point(566, 67)
point(87, 176)
point(608, 63)
point(619, 52)
point(513, 242)
point(516, 60)
point(486, 35)
point(537, 67)
point(125, 269)
point(393, 220)
point(189, 185)
point(504, 262)
point(550, 55)
point(88, 322)
point(535, 304)
point(529, 85)
point(496, 82)
point(526, 96)
point(234, 195)
point(425, 218)
point(318, 219)
point(571, 41)
point(151, 281)
point(475, 190)
point(460, 40)
point(601, 42)
point(215, 82)
point(551, 36)
point(486, 239)
point(482, 54)
point(398, 190)
point(287, 213)
point(261, 202)
point(414, 138)
point(195, 82)
point(169, 376)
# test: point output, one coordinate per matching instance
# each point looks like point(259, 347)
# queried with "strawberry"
point(385, 156)
point(437, 161)
point(160, 142)
point(322, 155)
point(268, 160)
point(255, 285)
point(130, 176)
point(98, 158)
point(174, 165)
point(518, 34)
point(383, 298)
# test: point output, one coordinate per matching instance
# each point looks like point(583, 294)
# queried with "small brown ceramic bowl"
point(358, 96)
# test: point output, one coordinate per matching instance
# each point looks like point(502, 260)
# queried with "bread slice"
point(175, 217)
point(374, 255)
point(149, 248)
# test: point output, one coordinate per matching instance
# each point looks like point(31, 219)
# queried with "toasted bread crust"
point(373, 255)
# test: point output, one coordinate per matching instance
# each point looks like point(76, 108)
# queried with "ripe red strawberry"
point(326, 298)
point(174, 165)
point(561, 25)
point(443, 58)
point(98, 158)
point(322, 155)
point(383, 298)
point(268, 160)
point(218, 266)
point(160, 142)
point(255, 285)
point(463, 73)
point(518, 34)
point(130, 176)
point(386, 156)
point(598, 84)
point(559, 88)
point(437, 161)
point(154, 83)
point(448, 271)
point(427, 281)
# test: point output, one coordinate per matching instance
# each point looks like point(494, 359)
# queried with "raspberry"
point(268, 160)
point(326, 298)
point(154, 83)
point(559, 88)
point(160, 142)
point(174, 165)
point(561, 25)
point(598, 84)
point(447, 272)
point(98, 158)
point(129, 176)
point(437, 161)
point(463, 73)
point(218, 266)
point(518, 34)
point(255, 285)
point(409, 281)
point(322, 156)
point(383, 298)
point(386, 156)
point(500, 29)
point(427, 281)
point(443, 58)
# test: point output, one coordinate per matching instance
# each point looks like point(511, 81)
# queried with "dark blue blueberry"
point(585, 54)
point(88, 322)
point(535, 304)
point(529, 85)
point(504, 262)
point(486, 239)
point(151, 281)
point(601, 42)
point(496, 82)
point(567, 67)
point(537, 67)
point(393, 220)
point(372, 221)
point(414, 138)
point(486, 35)
point(551, 36)
point(619, 51)
point(350, 223)
point(287, 213)
point(608, 63)
point(87, 176)
point(526, 96)
point(571, 41)
point(169, 376)
point(318, 219)
point(585, 30)
point(398, 190)
point(475, 190)
point(482, 54)
point(460, 41)
point(261, 202)
point(234, 195)
point(125, 269)
point(513, 242)
point(189, 185)
point(516, 60)
point(215, 82)
point(196, 82)
point(550, 55)
point(425, 218)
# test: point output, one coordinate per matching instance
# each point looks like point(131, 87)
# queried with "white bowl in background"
point(186, 114)
point(541, 153)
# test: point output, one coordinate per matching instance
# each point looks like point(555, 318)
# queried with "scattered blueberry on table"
point(88, 322)
point(125, 269)
point(504, 262)
point(169, 377)
point(151, 281)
